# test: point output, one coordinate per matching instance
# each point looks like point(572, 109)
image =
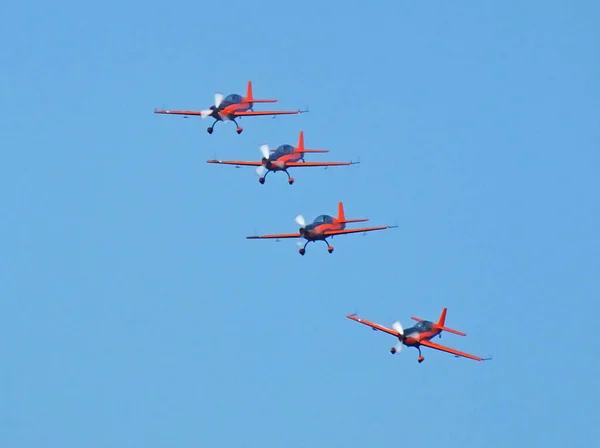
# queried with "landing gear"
point(262, 178)
point(290, 179)
point(210, 129)
point(393, 350)
point(239, 128)
point(302, 250)
point(421, 358)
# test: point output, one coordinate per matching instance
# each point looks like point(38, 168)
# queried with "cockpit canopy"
point(424, 325)
point(323, 219)
point(233, 98)
point(282, 151)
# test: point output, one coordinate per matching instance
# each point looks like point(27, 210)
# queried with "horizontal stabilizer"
point(312, 150)
point(450, 330)
point(346, 221)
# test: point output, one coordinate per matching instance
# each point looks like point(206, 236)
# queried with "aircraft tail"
point(342, 217)
point(301, 148)
point(442, 322)
point(250, 97)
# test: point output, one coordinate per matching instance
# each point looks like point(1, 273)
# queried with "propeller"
point(300, 221)
point(208, 112)
point(264, 149)
point(396, 326)
point(261, 170)
point(218, 99)
point(398, 347)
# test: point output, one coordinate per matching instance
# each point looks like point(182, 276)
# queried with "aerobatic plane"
point(323, 227)
point(419, 335)
point(229, 108)
point(282, 158)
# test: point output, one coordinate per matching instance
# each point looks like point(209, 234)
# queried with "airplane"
point(321, 228)
point(282, 158)
point(419, 335)
point(229, 108)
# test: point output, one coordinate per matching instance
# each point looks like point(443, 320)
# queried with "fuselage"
point(315, 230)
point(230, 104)
point(424, 330)
point(280, 157)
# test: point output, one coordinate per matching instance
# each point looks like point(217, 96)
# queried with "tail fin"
point(342, 217)
point(300, 147)
point(442, 319)
point(442, 322)
point(250, 98)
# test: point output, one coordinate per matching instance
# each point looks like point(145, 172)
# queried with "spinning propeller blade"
point(300, 220)
point(218, 100)
point(396, 326)
point(261, 170)
point(264, 149)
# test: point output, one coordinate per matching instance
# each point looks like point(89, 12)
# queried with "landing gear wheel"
point(291, 180)
point(262, 180)
point(393, 350)
point(302, 251)
point(330, 249)
point(209, 130)
point(421, 359)
point(239, 130)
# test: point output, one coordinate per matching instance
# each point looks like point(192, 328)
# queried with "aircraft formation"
point(324, 227)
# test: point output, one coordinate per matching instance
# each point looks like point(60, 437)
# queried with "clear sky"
point(133, 311)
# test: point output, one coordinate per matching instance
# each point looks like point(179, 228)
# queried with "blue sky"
point(134, 313)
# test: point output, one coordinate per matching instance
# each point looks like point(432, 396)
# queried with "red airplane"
point(231, 107)
point(419, 335)
point(321, 228)
point(280, 159)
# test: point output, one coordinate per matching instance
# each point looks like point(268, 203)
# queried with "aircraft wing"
point(449, 350)
point(373, 325)
point(274, 236)
point(359, 230)
point(251, 113)
point(298, 164)
point(177, 112)
point(234, 162)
